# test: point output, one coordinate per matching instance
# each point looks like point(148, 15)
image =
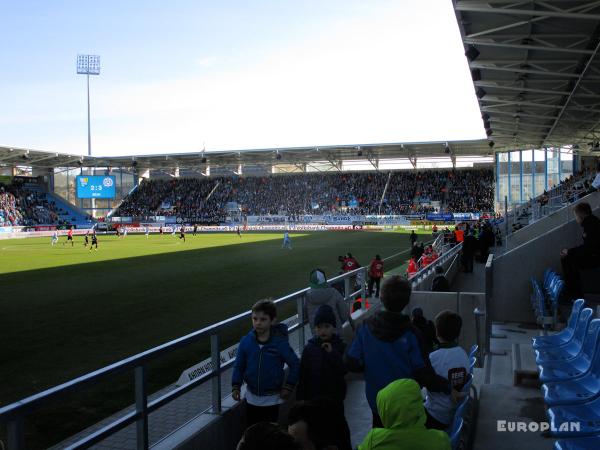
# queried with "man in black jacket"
point(585, 256)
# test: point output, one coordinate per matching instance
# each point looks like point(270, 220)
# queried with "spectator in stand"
point(585, 256)
point(450, 361)
point(386, 347)
point(400, 405)
point(322, 370)
point(314, 425)
point(468, 252)
point(375, 274)
point(320, 293)
point(259, 363)
point(596, 183)
point(266, 436)
point(426, 328)
point(440, 282)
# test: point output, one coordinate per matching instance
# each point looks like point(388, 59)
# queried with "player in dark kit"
point(238, 232)
point(195, 229)
point(69, 237)
point(86, 240)
point(160, 230)
point(94, 242)
point(182, 233)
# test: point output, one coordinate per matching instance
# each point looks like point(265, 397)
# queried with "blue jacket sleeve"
point(291, 359)
point(355, 357)
point(239, 367)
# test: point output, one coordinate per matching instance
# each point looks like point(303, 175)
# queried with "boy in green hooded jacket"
point(400, 406)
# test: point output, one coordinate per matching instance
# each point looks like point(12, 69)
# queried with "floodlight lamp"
point(88, 64)
point(476, 74)
point(203, 160)
point(489, 131)
point(480, 92)
point(491, 144)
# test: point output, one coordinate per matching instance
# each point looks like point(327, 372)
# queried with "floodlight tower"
point(88, 65)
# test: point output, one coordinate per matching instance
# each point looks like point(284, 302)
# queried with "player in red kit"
point(375, 274)
point(69, 237)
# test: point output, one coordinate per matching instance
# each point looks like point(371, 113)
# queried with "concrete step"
point(523, 363)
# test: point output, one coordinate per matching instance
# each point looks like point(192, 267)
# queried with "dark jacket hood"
point(388, 326)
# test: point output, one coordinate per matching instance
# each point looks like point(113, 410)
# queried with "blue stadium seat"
point(563, 336)
point(467, 387)
point(583, 388)
point(472, 361)
point(584, 443)
point(586, 416)
point(572, 348)
point(473, 351)
point(455, 433)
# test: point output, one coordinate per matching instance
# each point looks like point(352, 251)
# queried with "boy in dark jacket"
point(387, 347)
point(259, 363)
point(322, 371)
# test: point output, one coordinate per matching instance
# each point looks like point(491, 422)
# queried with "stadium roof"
point(535, 68)
point(294, 155)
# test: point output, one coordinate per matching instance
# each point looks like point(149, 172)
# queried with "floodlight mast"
point(88, 65)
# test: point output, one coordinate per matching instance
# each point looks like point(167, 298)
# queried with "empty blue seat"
point(563, 336)
point(574, 368)
point(575, 420)
point(570, 349)
point(582, 388)
point(584, 443)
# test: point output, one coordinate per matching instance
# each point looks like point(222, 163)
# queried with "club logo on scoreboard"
point(107, 182)
point(83, 181)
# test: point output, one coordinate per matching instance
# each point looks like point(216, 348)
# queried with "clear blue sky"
point(233, 74)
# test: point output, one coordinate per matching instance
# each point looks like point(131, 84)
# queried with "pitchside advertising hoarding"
point(95, 186)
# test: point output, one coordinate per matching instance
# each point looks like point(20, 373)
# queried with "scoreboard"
point(94, 186)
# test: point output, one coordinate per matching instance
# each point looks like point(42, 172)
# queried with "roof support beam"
point(491, 43)
point(484, 8)
point(492, 66)
point(566, 103)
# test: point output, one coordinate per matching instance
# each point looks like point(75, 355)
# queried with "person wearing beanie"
point(320, 293)
point(322, 370)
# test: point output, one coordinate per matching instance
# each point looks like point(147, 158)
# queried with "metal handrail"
point(15, 413)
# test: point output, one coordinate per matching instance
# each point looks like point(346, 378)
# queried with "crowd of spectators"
point(20, 206)
point(407, 192)
point(471, 191)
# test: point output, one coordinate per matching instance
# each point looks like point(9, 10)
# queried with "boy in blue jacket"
point(387, 347)
point(259, 363)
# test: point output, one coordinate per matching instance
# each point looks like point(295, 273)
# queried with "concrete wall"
point(549, 222)
point(512, 271)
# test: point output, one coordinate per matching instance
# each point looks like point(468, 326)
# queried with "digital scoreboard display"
point(94, 186)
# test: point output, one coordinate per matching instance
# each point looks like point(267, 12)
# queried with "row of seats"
point(459, 415)
point(569, 367)
point(545, 296)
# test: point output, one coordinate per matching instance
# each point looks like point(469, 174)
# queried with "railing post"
point(363, 290)
point(347, 288)
point(301, 319)
point(141, 407)
point(215, 358)
point(15, 434)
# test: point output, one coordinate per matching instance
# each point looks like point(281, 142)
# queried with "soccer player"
point(94, 241)
point(182, 233)
point(174, 232)
point(195, 229)
point(287, 242)
point(238, 232)
point(125, 232)
point(54, 238)
point(160, 230)
point(118, 229)
point(147, 231)
point(69, 236)
point(86, 239)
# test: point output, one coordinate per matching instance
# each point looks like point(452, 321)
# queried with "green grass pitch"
point(67, 311)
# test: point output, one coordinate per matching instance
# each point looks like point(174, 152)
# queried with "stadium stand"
point(353, 193)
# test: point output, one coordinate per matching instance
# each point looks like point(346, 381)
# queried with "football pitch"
point(67, 310)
